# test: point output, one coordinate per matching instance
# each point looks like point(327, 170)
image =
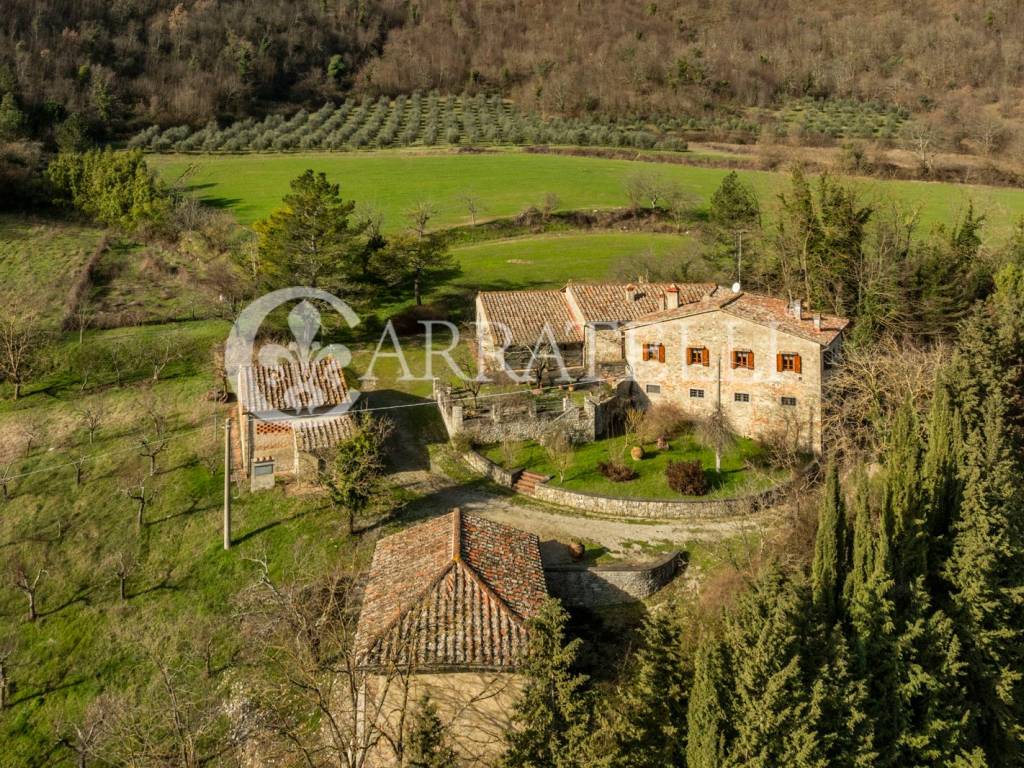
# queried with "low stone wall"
point(662, 509)
point(581, 586)
point(486, 467)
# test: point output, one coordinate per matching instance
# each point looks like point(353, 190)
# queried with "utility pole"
point(227, 483)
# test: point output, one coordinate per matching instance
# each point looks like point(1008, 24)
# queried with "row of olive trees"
point(403, 121)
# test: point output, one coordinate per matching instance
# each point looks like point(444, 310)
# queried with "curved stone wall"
point(594, 586)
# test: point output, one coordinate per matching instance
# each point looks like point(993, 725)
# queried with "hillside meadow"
point(506, 182)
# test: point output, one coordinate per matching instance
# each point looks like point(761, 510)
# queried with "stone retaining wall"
point(663, 509)
point(581, 586)
point(486, 467)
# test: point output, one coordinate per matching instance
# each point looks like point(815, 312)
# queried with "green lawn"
point(507, 181)
point(737, 476)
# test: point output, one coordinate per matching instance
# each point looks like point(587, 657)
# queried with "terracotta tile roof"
point(764, 310)
point(291, 387)
point(525, 313)
point(323, 432)
point(454, 592)
point(615, 302)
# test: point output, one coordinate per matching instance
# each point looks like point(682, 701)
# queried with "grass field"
point(552, 260)
point(39, 261)
point(507, 181)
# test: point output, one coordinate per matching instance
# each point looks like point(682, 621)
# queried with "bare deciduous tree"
point(559, 448)
point(26, 578)
point(142, 496)
point(317, 703)
point(473, 205)
point(122, 564)
point(715, 432)
point(7, 648)
point(91, 416)
point(419, 216)
point(20, 340)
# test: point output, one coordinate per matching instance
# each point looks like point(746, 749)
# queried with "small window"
point(741, 397)
point(654, 351)
point(788, 362)
point(698, 393)
point(697, 356)
point(790, 401)
point(742, 358)
point(653, 389)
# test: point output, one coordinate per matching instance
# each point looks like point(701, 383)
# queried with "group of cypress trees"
point(901, 643)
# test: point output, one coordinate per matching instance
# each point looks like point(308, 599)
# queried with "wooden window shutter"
point(661, 353)
point(796, 364)
point(750, 360)
point(778, 362)
point(732, 361)
point(705, 358)
point(646, 355)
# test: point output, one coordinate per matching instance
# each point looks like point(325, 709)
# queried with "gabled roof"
point(454, 592)
point(525, 313)
point(291, 386)
point(621, 302)
point(764, 310)
point(322, 431)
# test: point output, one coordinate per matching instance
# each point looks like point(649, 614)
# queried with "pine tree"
point(829, 565)
point(551, 721)
point(645, 725)
point(426, 744)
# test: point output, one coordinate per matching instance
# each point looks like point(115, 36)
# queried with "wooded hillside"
point(144, 61)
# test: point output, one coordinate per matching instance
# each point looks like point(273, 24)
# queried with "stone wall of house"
point(596, 586)
point(659, 509)
point(764, 386)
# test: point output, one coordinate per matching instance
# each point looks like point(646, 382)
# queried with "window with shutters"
point(654, 351)
point(788, 362)
point(697, 393)
point(789, 401)
point(742, 358)
point(697, 356)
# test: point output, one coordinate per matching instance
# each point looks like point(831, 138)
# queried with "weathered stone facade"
point(598, 585)
point(756, 398)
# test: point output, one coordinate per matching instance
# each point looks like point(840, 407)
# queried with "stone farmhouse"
point(445, 613)
point(762, 360)
point(285, 413)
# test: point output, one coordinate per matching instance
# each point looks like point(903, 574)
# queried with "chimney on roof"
point(631, 292)
point(817, 321)
point(672, 297)
point(798, 309)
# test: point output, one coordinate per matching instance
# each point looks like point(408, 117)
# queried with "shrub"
point(661, 420)
point(616, 471)
point(687, 478)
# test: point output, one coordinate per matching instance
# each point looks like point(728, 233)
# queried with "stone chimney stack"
point(817, 321)
point(631, 292)
point(798, 309)
point(672, 297)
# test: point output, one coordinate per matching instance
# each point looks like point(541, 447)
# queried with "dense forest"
point(119, 65)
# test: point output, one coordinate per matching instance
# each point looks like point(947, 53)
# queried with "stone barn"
point(447, 602)
point(287, 413)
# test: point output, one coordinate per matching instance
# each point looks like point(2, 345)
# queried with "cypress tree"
point(644, 726)
point(829, 564)
point(903, 507)
point(551, 721)
point(710, 717)
point(940, 478)
point(427, 743)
